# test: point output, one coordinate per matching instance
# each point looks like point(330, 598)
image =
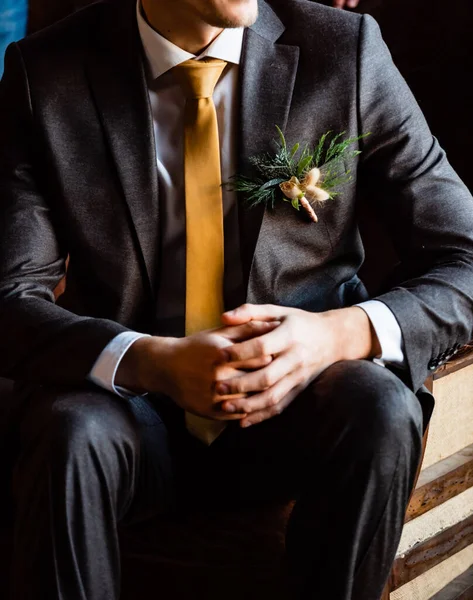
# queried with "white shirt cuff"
point(105, 368)
point(388, 331)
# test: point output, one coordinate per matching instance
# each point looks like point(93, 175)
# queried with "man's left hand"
point(302, 346)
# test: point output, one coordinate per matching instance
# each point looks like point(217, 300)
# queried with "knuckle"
point(266, 380)
point(237, 387)
point(232, 387)
point(300, 356)
point(261, 347)
point(245, 407)
point(304, 374)
point(232, 352)
point(271, 400)
point(291, 335)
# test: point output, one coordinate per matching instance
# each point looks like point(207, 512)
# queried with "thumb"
point(246, 331)
point(238, 316)
point(249, 312)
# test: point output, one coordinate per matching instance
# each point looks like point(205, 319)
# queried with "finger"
point(270, 343)
point(258, 380)
point(222, 373)
point(229, 398)
point(223, 416)
point(267, 413)
point(220, 415)
point(353, 3)
point(265, 399)
point(219, 400)
point(338, 3)
point(238, 333)
point(253, 363)
point(274, 410)
point(249, 312)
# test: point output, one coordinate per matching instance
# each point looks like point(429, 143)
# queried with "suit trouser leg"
point(82, 469)
point(348, 449)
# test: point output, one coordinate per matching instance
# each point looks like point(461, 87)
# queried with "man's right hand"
point(187, 369)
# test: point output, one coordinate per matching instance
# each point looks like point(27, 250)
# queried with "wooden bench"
point(435, 556)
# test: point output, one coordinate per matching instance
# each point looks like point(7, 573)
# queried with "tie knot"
point(198, 78)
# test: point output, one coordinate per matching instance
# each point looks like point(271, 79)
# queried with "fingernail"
point(223, 389)
point(231, 408)
point(245, 425)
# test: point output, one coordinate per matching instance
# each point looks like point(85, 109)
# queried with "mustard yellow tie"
point(204, 211)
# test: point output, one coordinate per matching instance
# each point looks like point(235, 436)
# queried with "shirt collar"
point(162, 55)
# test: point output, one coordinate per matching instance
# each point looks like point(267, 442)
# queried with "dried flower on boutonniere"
point(302, 176)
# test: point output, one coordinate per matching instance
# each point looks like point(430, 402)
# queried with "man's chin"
point(240, 13)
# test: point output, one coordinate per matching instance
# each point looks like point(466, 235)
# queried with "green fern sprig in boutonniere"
point(299, 175)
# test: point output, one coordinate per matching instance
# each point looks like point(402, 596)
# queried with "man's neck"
point(178, 25)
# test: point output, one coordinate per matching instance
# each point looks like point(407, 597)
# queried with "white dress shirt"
point(167, 105)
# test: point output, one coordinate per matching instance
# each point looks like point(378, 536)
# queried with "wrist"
point(356, 338)
point(144, 368)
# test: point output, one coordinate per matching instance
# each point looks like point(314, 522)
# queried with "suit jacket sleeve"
point(40, 341)
point(425, 207)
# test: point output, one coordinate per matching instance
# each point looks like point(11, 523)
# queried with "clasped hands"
point(275, 364)
point(252, 367)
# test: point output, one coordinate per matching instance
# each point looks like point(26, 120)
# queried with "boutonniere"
point(303, 176)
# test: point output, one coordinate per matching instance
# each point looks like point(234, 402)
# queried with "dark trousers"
point(347, 450)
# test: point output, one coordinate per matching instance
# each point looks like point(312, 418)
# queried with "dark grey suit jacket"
point(78, 177)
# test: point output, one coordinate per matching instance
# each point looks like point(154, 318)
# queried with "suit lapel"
point(268, 74)
point(118, 82)
point(116, 75)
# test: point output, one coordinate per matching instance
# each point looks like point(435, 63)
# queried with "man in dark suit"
point(108, 137)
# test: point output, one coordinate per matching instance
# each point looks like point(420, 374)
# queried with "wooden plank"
point(434, 521)
point(439, 577)
point(451, 424)
point(431, 552)
point(461, 588)
point(442, 481)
